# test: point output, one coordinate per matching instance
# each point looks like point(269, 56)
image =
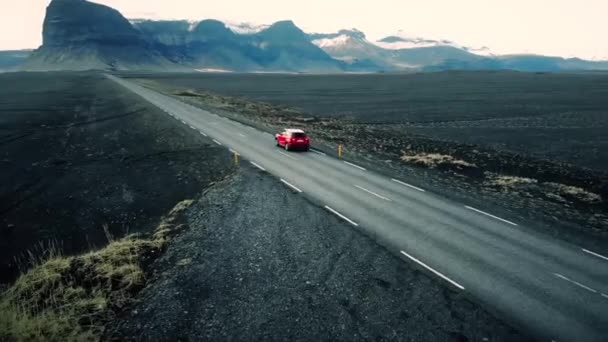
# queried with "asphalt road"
point(555, 290)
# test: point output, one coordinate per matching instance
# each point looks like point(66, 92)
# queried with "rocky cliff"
point(79, 35)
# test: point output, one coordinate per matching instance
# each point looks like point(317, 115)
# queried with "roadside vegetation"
point(73, 298)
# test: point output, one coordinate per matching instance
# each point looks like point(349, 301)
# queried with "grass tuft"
point(73, 298)
point(440, 161)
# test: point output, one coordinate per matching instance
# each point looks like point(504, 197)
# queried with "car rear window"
point(298, 135)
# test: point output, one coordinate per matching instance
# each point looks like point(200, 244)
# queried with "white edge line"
point(595, 254)
point(202, 133)
point(355, 165)
point(432, 270)
point(191, 126)
point(287, 155)
point(408, 185)
point(575, 282)
point(217, 142)
point(318, 152)
point(342, 216)
point(290, 185)
point(258, 166)
point(490, 215)
point(371, 192)
point(233, 151)
point(605, 295)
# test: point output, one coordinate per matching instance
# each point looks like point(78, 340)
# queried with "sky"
point(551, 27)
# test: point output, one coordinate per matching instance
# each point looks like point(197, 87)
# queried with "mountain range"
point(80, 35)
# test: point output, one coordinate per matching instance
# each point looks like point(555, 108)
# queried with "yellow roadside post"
point(236, 158)
point(340, 151)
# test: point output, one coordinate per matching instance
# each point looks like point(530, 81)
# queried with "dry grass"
point(510, 181)
point(73, 298)
point(432, 160)
point(563, 192)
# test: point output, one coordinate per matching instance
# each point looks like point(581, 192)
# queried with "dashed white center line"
point(605, 295)
point(287, 155)
point(182, 121)
point(575, 282)
point(318, 152)
point(258, 166)
point(434, 271)
point(595, 254)
point(371, 192)
point(342, 216)
point(217, 142)
point(290, 185)
point(408, 185)
point(191, 126)
point(243, 135)
point(355, 165)
point(490, 215)
point(202, 133)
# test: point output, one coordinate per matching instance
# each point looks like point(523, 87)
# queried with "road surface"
point(552, 289)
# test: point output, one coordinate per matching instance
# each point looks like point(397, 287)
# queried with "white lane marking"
point(258, 166)
point(202, 133)
point(490, 215)
point(217, 142)
point(432, 270)
point(191, 126)
point(233, 151)
point(287, 155)
point(243, 135)
point(355, 165)
point(605, 295)
point(408, 185)
point(342, 216)
point(318, 152)
point(371, 192)
point(575, 282)
point(290, 185)
point(595, 254)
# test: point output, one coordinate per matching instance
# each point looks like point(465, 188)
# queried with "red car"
point(293, 139)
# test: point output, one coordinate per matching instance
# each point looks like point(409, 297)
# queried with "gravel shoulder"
point(260, 262)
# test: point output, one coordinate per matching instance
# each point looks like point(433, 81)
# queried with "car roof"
point(294, 130)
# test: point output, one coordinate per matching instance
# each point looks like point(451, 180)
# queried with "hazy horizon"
point(557, 28)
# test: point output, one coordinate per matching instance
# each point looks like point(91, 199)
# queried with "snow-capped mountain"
point(78, 34)
point(402, 40)
point(245, 28)
point(353, 48)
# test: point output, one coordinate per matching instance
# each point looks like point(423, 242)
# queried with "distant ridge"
point(81, 35)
